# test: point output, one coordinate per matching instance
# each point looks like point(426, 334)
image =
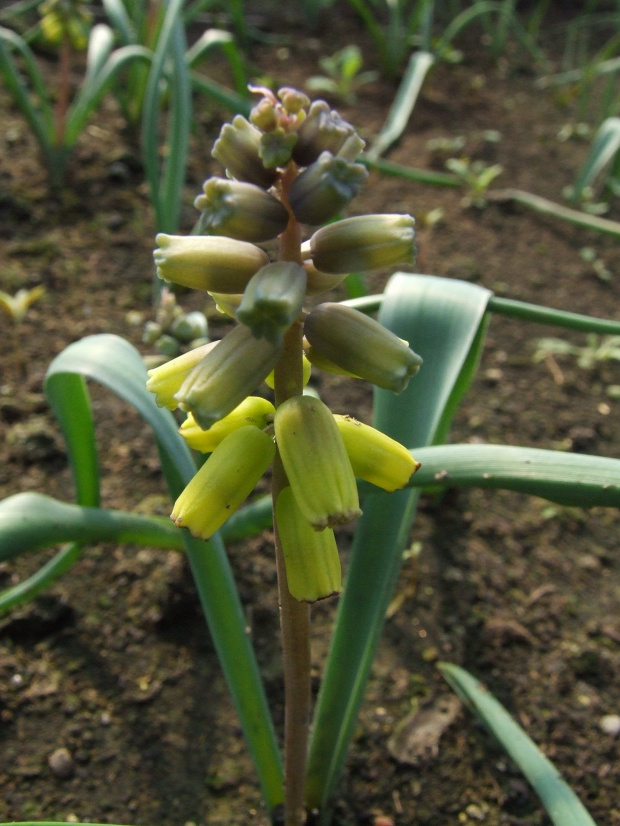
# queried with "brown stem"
point(294, 615)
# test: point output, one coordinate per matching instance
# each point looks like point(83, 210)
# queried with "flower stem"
point(294, 615)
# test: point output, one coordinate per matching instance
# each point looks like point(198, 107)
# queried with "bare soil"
point(114, 663)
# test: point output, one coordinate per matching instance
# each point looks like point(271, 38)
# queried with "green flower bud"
point(321, 130)
point(206, 262)
point(224, 481)
point(229, 373)
point(276, 147)
point(273, 300)
point(325, 188)
point(374, 456)
point(166, 379)
point(152, 331)
point(252, 411)
point(239, 210)
point(238, 149)
point(352, 148)
point(318, 360)
point(189, 326)
point(316, 462)
point(168, 346)
point(368, 242)
point(361, 345)
point(311, 557)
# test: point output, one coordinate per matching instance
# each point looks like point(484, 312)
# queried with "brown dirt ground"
point(114, 662)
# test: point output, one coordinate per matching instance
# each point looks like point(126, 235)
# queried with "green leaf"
point(166, 185)
point(404, 101)
point(605, 146)
point(95, 86)
point(113, 362)
point(32, 520)
point(440, 319)
point(562, 804)
point(572, 479)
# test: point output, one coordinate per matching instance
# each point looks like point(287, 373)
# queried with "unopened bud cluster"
point(291, 163)
point(173, 330)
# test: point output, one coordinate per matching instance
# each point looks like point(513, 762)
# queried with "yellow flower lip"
point(224, 482)
point(254, 411)
point(165, 381)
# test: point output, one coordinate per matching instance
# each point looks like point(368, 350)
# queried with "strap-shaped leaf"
point(573, 479)
point(562, 804)
point(606, 144)
point(113, 362)
point(441, 320)
point(33, 520)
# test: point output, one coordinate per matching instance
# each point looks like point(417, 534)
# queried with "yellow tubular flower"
point(224, 481)
point(311, 557)
point(252, 411)
point(166, 379)
point(374, 456)
point(316, 462)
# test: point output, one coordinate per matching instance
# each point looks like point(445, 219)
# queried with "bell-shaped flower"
point(252, 411)
point(360, 345)
point(206, 262)
point(164, 381)
point(273, 300)
point(238, 149)
point(229, 373)
point(240, 210)
point(325, 188)
point(375, 457)
point(224, 481)
point(311, 557)
point(366, 242)
point(316, 462)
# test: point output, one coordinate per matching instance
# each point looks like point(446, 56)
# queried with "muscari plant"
point(58, 119)
point(291, 168)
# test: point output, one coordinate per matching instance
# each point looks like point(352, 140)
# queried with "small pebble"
point(610, 724)
point(61, 763)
